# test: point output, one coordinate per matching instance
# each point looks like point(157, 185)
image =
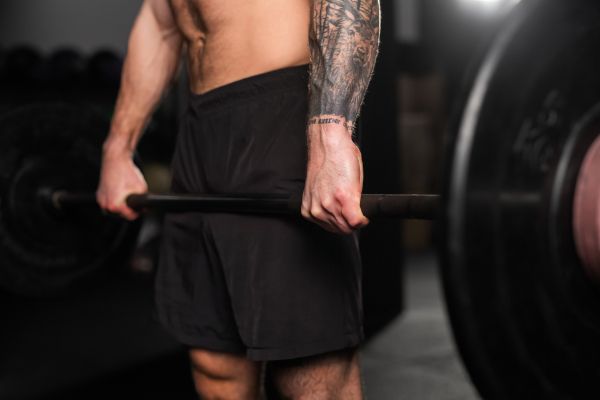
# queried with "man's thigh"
point(333, 375)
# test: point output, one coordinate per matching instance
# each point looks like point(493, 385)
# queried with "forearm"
point(152, 61)
point(344, 40)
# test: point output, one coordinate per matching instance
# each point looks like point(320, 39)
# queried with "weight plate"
point(525, 317)
point(44, 252)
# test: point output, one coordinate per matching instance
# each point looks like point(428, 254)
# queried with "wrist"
point(329, 132)
point(117, 147)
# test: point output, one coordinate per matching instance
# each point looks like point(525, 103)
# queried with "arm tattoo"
point(344, 39)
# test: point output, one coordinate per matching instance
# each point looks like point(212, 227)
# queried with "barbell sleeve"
point(404, 206)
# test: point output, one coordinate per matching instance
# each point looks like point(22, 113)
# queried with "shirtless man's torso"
point(229, 41)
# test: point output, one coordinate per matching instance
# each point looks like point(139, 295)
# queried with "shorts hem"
point(305, 350)
point(209, 344)
point(206, 342)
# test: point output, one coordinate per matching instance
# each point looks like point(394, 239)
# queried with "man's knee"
point(326, 376)
point(224, 376)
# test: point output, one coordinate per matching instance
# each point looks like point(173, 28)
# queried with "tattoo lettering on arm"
point(344, 40)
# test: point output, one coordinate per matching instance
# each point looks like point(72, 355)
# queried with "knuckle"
point(305, 208)
point(327, 203)
point(341, 195)
point(353, 218)
point(304, 212)
point(317, 212)
point(354, 223)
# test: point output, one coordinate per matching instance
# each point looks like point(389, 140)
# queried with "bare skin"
point(334, 375)
point(226, 41)
point(225, 376)
point(344, 40)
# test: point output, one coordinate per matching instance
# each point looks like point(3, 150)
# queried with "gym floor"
point(107, 344)
point(415, 357)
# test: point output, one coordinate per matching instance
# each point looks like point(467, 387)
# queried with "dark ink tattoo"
point(344, 40)
point(323, 121)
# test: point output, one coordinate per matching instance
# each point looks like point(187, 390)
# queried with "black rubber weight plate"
point(524, 316)
point(43, 252)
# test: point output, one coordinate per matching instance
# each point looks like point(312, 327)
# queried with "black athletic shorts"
point(273, 287)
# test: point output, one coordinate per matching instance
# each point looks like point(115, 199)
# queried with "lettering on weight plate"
point(535, 142)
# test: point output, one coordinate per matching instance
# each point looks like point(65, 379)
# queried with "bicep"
point(162, 13)
point(155, 26)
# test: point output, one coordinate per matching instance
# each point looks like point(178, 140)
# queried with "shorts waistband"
point(251, 87)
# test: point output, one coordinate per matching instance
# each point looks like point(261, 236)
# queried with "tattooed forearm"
point(344, 39)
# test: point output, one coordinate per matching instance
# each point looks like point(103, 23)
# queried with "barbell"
point(53, 236)
point(519, 210)
point(405, 206)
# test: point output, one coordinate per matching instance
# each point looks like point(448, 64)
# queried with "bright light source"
point(489, 8)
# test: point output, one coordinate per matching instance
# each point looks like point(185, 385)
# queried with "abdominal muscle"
point(229, 40)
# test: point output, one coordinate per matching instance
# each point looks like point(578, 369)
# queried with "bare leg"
point(329, 376)
point(225, 376)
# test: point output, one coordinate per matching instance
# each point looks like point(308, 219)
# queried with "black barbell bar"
point(405, 206)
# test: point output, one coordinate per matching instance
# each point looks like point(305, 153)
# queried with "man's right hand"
point(334, 180)
point(119, 177)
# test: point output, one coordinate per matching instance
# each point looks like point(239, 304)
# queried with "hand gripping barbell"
point(53, 233)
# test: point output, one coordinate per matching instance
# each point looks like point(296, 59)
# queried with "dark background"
point(106, 341)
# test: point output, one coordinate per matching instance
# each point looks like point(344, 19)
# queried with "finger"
point(130, 216)
point(343, 225)
point(313, 211)
point(129, 213)
point(305, 210)
point(353, 215)
point(328, 227)
point(323, 218)
point(337, 218)
point(101, 199)
point(354, 218)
